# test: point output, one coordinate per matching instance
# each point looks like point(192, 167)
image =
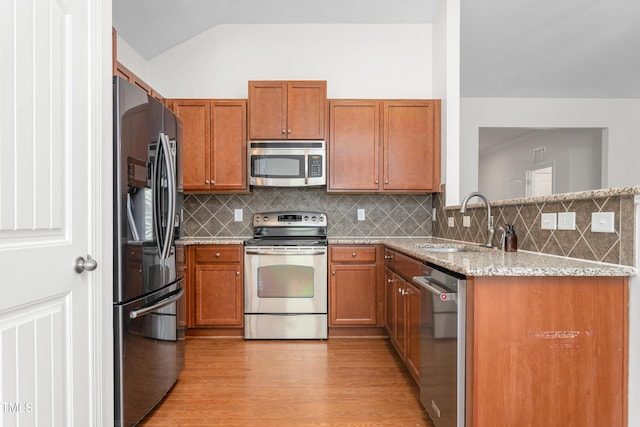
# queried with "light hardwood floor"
point(339, 382)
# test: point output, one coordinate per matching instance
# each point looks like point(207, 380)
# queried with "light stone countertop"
point(480, 262)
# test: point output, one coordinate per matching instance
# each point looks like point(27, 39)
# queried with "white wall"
point(446, 66)
point(621, 117)
point(358, 61)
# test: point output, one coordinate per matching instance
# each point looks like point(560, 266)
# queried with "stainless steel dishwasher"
point(442, 345)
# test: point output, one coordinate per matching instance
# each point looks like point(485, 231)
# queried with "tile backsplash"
point(616, 247)
point(212, 215)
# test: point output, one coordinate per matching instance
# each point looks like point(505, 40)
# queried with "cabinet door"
point(400, 340)
point(228, 148)
point(412, 355)
point(352, 294)
point(219, 295)
point(306, 107)
point(354, 145)
point(411, 144)
point(392, 281)
point(267, 110)
point(194, 115)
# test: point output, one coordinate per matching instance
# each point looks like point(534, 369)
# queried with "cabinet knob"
point(333, 273)
point(389, 280)
point(206, 181)
point(213, 182)
point(376, 181)
point(237, 273)
point(400, 291)
point(353, 254)
point(388, 257)
point(284, 132)
point(386, 182)
point(289, 131)
point(217, 254)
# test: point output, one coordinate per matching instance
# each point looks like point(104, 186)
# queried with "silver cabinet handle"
point(89, 264)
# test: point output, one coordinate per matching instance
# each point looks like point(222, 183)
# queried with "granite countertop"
point(492, 262)
point(479, 262)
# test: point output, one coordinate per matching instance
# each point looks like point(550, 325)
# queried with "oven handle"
point(267, 252)
point(441, 293)
point(162, 302)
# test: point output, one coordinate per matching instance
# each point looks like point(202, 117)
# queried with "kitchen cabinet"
point(402, 308)
point(547, 345)
point(214, 148)
point(287, 110)
point(353, 285)
point(121, 71)
point(216, 291)
point(395, 143)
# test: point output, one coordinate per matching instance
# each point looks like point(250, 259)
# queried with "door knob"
point(89, 264)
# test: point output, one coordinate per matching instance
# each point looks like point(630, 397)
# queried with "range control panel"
point(288, 219)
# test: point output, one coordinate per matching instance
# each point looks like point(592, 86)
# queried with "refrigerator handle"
point(164, 158)
point(172, 190)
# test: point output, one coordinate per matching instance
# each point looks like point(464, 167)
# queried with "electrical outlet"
point(466, 221)
point(433, 214)
point(549, 221)
point(237, 215)
point(602, 222)
point(360, 214)
point(451, 222)
point(566, 221)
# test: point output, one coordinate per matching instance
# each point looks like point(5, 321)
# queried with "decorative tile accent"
point(387, 215)
point(616, 248)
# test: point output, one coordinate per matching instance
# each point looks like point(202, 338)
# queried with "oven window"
point(281, 166)
point(285, 281)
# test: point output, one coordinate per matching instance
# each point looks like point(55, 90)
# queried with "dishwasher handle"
point(441, 293)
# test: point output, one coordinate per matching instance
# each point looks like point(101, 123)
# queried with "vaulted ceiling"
point(553, 49)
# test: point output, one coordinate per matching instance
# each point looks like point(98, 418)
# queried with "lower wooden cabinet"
point(215, 290)
point(355, 293)
point(402, 308)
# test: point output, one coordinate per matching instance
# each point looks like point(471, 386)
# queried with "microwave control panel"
point(315, 166)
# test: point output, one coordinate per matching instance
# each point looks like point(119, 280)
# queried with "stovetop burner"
point(289, 229)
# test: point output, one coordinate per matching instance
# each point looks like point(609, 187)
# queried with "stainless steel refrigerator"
point(147, 291)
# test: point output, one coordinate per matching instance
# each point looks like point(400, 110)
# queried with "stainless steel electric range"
point(285, 285)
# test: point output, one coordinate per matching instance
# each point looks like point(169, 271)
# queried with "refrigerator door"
point(145, 192)
point(149, 350)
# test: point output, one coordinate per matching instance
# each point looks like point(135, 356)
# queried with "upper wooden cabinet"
point(395, 145)
point(287, 109)
point(214, 145)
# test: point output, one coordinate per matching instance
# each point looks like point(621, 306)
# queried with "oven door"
point(285, 280)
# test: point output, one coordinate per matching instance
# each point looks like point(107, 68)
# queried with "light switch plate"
point(602, 222)
point(360, 214)
point(237, 215)
point(466, 221)
point(566, 221)
point(451, 222)
point(549, 221)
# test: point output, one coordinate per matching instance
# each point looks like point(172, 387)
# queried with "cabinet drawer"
point(404, 265)
point(218, 254)
point(353, 254)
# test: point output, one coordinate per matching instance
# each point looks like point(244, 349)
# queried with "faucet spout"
point(490, 230)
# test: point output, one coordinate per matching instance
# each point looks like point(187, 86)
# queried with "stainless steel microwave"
point(287, 163)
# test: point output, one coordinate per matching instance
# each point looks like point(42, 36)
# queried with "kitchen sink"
point(449, 248)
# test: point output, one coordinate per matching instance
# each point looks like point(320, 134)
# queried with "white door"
point(55, 167)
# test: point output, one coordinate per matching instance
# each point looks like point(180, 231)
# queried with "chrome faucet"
point(490, 230)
